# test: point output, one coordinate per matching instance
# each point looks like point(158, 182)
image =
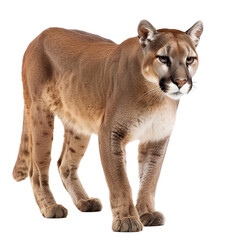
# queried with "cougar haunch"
point(119, 92)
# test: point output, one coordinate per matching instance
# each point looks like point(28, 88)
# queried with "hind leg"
point(73, 150)
point(42, 121)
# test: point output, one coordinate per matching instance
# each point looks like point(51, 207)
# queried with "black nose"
point(179, 82)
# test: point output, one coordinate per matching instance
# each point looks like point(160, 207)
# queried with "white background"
point(198, 190)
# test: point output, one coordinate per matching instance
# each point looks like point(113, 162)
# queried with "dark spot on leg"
point(21, 173)
point(25, 152)
point(45, 183)
point(36, 181)
point(25, 138)
point(40, 122)
point(42, 162)
point(74, 178)
point(37, 143)
point(45, 133)
point(50, 124)
point(77, 138)
point(118, 153)
point(59, 162)
point(58, 102)
point(72, 150)
point(71, 132)
point(66, 173)
point(82, 146)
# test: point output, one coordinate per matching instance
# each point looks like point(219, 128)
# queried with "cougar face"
point(170, 59)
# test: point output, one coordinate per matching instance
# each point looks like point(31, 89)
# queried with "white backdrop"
point(198, 190)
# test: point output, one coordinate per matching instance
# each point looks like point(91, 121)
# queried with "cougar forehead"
point(177, 49)
point(173, 43)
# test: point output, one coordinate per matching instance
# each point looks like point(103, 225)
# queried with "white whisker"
point(148, 93)
point(154, 97)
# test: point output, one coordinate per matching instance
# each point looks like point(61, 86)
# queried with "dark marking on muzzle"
point(163, 83)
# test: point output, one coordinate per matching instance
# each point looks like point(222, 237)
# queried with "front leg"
point(151, 155)
point(111, 143)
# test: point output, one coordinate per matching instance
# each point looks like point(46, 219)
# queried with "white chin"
point(175, 96)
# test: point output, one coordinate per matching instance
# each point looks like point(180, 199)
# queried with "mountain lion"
point(120, 92)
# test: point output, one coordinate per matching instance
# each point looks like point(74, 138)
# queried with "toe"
point(90, 205)
point(127, 224)
point(152, 219)
point(56, 211)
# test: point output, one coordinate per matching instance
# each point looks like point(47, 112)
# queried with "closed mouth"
point(175, 95)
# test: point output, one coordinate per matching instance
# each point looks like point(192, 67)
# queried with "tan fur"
point(96, 86)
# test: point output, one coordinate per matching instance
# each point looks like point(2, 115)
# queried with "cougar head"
point(170, 57)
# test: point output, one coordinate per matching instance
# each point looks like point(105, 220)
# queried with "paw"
point(152, 219)
point(56, 211)
point(127, 224)
point(89, 205)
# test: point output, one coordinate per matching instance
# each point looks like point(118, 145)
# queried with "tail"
point(20, 171)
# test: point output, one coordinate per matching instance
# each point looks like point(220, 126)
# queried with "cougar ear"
point(146, 32)
point(195, 32)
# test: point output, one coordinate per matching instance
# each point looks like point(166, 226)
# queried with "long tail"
point(20, 171)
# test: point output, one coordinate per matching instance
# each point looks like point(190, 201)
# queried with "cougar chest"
point(156, 125)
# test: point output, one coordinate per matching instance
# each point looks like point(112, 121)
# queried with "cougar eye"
point(189, 60)
point(164, 59)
